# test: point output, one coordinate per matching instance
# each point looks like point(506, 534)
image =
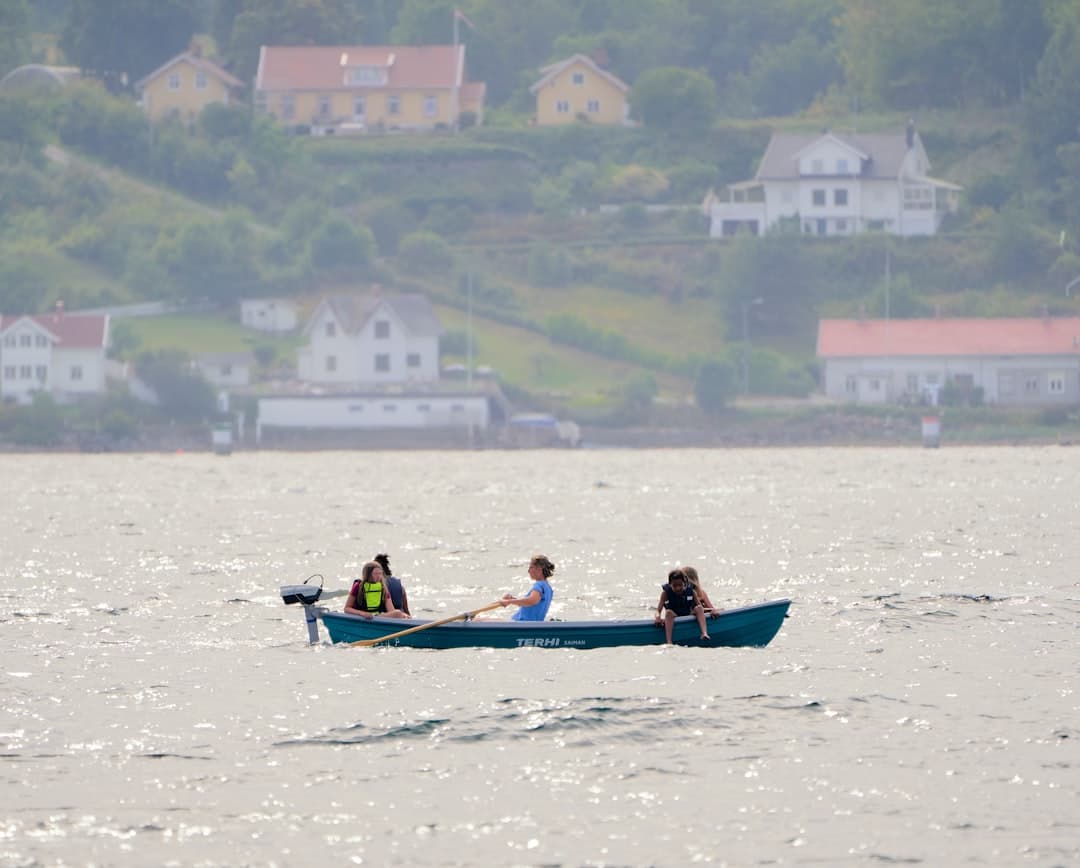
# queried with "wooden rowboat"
point(754, 625)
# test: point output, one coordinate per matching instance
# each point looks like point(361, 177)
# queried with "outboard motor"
point(308, 596)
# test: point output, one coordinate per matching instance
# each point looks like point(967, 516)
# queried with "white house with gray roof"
point(833, 184)
point(371, 340)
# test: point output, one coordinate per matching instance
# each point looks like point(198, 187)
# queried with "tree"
point(14, 34)
point(183, 394)
point(674, 98)
point(288, 22)
point(339, 248)
point(714, 386)
point(1053, 107)
point(123, 40)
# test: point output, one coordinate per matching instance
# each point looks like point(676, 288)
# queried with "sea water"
point(161, 706)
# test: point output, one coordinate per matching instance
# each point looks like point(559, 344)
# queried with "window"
point(356, 408)
point(875, 385)
point(412, 360)
point(851, 385)
point(324, 107)
point(389, 408)
point(593, 106)
point(1031, 385)
point(24, 340)
point(26, 372)
point(382, 362)
point(174, 81)
point(431, 106)
point(288, 107)
point(818, 197)
point(578, 78)
point(382, 329)
point(200, 81)
point(841, 167)
point(562, 106)
point(841, 225)
point(41, 341)
point(9, 340)
point(393, 105)
point(457, 408)
point(817, 166)
point(913, 383)
point(42, 372)
point(423, 408)
point(839, 197)
point(9, 372)
point(358, 107)
point(918, 198)
point(822, 227)
point(331, 364)
point(331, 329)
point(226, 369)
point(1055, 383)
point(365, 75)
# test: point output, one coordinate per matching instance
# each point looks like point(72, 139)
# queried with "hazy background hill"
point(593, 286)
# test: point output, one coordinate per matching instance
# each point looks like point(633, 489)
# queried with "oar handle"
point(367, 643)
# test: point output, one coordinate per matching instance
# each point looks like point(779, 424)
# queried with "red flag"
point(460, 16)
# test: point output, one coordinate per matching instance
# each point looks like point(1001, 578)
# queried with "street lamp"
point(746, 341)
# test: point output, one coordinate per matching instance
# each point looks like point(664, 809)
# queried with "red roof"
point(72, 331)
point(322, 67)
point(1026, 336)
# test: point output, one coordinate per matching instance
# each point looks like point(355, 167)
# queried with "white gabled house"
point(59, 353)
point(833, 184)
point(225, 369)
point(371, 340)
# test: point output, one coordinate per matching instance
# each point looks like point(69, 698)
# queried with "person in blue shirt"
point(534, 605)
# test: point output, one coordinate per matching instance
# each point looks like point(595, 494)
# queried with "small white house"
point(833, 184)
point(1016, 361)
point(274, 315)
point(59, 353)
point(371, 340)
point(225, 369)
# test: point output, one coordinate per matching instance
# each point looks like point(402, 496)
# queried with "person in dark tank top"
point(398, 595)
point(678, 598)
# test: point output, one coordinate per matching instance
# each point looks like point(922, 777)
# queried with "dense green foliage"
point(993, 85)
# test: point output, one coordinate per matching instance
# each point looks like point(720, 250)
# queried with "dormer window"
point(366, 76)
point(841, 167)
point(578, 78)
point(817, 167)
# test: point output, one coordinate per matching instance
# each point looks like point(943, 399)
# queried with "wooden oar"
point(464, 616)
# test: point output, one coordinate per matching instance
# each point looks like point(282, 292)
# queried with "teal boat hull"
point(753, 626)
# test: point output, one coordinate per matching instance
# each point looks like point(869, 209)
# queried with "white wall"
point(357, 412)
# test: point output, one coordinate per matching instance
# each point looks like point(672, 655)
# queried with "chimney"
point(58, 313)
point(911, 133)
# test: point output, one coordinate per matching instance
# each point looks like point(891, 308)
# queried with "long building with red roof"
point(1019, 361)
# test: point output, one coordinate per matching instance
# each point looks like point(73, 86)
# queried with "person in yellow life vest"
point(370, 595)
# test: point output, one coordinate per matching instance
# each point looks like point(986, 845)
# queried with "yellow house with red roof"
point(578, 88)
point(184, 86)
point(1031, 361)
point(361, 88)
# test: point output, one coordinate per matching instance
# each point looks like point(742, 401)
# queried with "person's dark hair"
point(677, 574)
point(384, 562)
point(546, 566)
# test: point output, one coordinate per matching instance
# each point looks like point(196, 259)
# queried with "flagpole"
point(456, 107)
